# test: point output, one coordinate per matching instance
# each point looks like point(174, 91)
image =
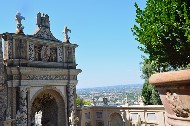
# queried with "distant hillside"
point(115, 94)
point(116, 87)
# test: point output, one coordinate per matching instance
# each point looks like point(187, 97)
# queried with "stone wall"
point(3, 86)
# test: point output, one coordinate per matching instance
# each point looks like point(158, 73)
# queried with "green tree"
point(81, 102)
point(163, 31)
point(149, 92)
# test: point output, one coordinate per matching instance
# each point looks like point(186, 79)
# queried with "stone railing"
point(153, 115)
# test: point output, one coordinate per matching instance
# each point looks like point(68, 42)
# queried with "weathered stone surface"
point(174, 89)
point(37, 65)
point(174, 77)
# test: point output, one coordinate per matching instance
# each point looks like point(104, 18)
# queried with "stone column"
point(23, 106)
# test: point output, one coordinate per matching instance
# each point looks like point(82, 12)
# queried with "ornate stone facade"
point(35, 65)
point(3, 87)
point(31, 51)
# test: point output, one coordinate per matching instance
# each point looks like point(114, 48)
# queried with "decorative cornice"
point(44, 33)
point(42, 71)
point(181, 77)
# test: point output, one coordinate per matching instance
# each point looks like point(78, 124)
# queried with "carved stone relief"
point(23, 105)
point(20, 49)
point(31, 51)
point(71, 104)
point(3, 102)
point(73, 55)
point(10, 49)
point(16, 77)
point(69, 56)
point(177, 106)
point(47, 77)
point(6, 53)
point(60, 53)
point(45, 53)
point(71, 93)
point(45, 33)
point(37, 53)
point(53, 55)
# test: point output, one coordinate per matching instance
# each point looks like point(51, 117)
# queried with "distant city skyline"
point(107, 52)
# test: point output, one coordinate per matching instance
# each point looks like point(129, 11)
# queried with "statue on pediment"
point(19, 18)
point(66, 31)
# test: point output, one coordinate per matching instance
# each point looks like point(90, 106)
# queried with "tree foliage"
point(81, 102)
point(163, 30)
point(149, 92)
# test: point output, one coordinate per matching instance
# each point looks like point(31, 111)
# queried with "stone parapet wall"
point(153, 115)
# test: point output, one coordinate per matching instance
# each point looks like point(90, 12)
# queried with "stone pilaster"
point(3, 87)
point(23, 106)
point(30, 51)
point(60, 53)
point(71, 91)
point(1, 63)
point(73, 55)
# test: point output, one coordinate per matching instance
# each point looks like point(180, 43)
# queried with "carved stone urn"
point(174, 89)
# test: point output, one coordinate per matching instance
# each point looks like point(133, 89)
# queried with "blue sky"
point(107, 52)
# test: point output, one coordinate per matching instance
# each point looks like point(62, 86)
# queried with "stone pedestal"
point(7, 122)
point(174, 89)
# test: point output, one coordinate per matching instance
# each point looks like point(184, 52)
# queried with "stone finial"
point(19, 18)
point(43, 20)
point(66, 31)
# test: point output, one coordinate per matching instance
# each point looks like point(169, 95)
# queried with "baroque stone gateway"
point(38, 76)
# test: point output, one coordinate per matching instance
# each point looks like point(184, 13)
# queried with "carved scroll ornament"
point(177, 106)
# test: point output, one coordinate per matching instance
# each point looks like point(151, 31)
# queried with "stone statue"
point(69, 54)
point(93, 101)
point(53, 55)
point(8, 113)
point(73, 119)
point(19, 18)
point(141, 100)
point(126, 101)
point(105, 101)
point(139, 121)
point(66, 31)
point(18, 118)
point(45, 53)
point(38, 118)
point(36, 52)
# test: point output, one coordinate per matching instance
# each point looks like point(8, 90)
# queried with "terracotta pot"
point(174, 89)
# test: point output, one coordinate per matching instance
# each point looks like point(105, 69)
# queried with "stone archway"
point(116, 119)
point(51, 103)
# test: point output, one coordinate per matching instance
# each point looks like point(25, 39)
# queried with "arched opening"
point(52, 106)
point(116, 119)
